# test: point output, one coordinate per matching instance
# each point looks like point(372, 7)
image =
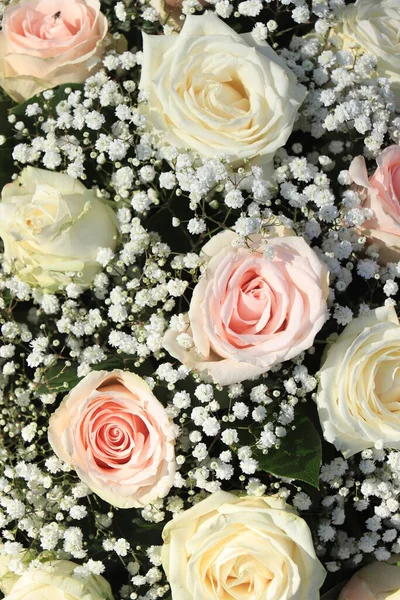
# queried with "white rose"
point(375, 27)
point(51, 226)
point(360, 384)
point(218, 92)
point(230, 548)
point(57, 580)
point(7, 576)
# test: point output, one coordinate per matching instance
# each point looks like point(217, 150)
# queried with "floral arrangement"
point(200, 341)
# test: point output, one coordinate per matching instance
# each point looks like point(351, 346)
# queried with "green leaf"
point(6, 160)
point(333, 594)
point(299, 456)
point(58, 95)
point(5, 126)
point(7, 166)
point(54, 378)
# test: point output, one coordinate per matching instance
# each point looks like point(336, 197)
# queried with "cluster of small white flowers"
point(369, 485)
point(340, 100)
point(298, 10)
point(69, 137)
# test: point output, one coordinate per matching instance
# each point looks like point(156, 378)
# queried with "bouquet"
point(200, 343)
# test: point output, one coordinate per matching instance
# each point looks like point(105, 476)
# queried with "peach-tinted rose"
point(47, 42)
point(118, 437)
point(377, 581)
point(381, 193)
point(249, 312)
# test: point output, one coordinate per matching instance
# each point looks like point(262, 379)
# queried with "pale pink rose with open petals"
point(381, 193)
point(249, 312)
point(118, 437)
point(44, 43)
point(376, 581)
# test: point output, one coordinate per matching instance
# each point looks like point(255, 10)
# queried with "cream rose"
point(118, 437)
point(231, 548)
point(249, 312)
point(381, 193)
point(218, 92)
point(376, 581)
point(44, 43)
point(375, 26)
point(57, 581)
point(52, 226)
point(359, 386)
point(7, 576)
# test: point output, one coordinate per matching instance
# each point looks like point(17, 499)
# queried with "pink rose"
point(47, 42)
point(381, 193)
point(249, 312)
point(117, 436)
point(376, 581)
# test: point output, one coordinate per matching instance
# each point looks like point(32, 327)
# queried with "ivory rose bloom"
point(230, 548)
point(52, 227)
point(374, 26)
point(44, 43)
point(381, 193)
point(218, 92)
point(249, 312)
point(359, 386)
point(118, 437)
point(57, 581)
point(376, 581)
point(7, 576)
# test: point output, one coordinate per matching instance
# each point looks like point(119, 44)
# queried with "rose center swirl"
point(47, 27)
point(113, 435)
point(252, 303)
point(220, 97)
point(238, 576)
